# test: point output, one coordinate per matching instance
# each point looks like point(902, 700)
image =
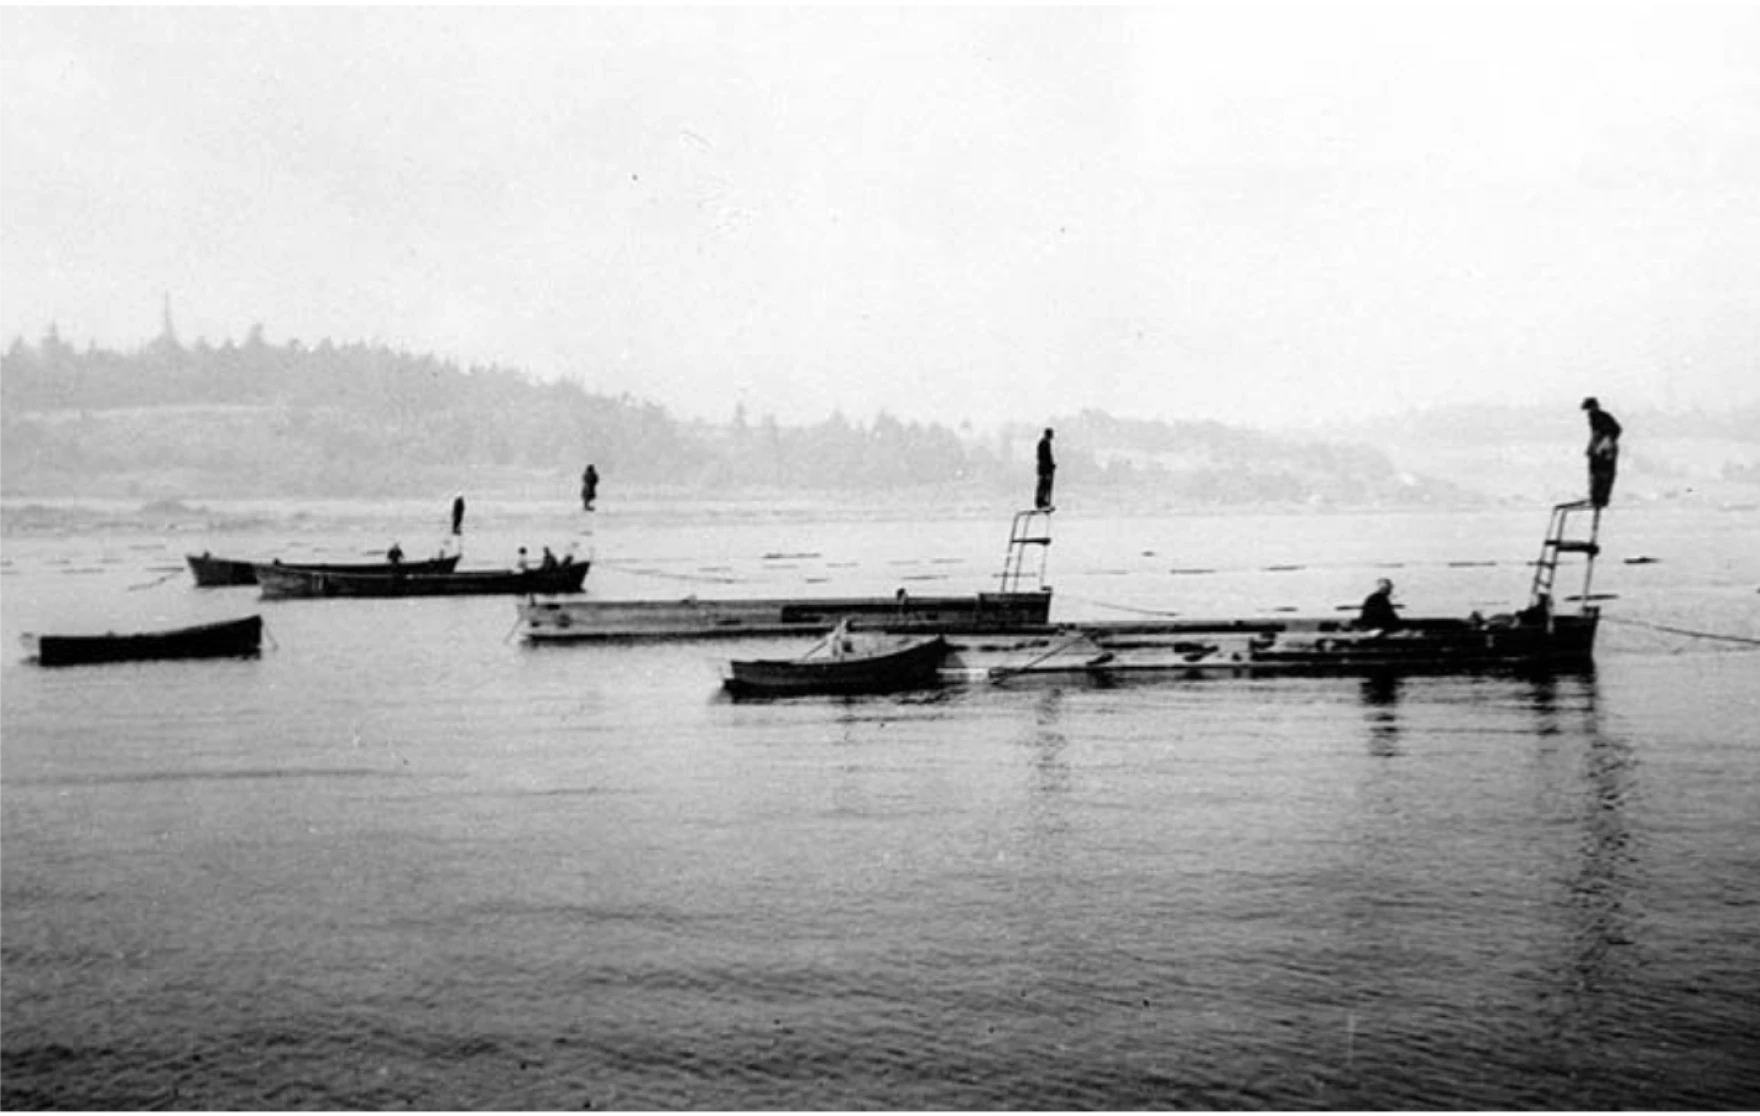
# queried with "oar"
point(1004, 672)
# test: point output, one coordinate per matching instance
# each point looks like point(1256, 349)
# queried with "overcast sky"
point(1249, 213)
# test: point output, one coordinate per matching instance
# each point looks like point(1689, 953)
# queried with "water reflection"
point(1048, 745)
point(1601, 873)
point(1606, 868)
point(1380, 696)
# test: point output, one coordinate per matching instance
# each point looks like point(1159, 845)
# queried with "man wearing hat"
point(1603, 452)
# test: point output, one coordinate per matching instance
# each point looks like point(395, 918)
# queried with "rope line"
point(158, 581)
point(1685, 631)
point(627, 568)
point(1119, 607)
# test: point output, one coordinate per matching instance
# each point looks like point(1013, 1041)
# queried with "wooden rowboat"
point(227, 639)
point(882, 666)
point(211, 572)
point(296, 581)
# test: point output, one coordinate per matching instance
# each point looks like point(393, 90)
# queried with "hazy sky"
point(1251, 213)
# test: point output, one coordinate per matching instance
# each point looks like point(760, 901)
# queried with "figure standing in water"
point(1603, 452)
point(589, 488)
point(458, 514)
point(1047, 471)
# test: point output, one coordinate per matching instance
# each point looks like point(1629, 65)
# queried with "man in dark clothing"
point(1047, 470)
point(589, 488)
point(1603, 452)
point(1378, 610)
point(458, 514)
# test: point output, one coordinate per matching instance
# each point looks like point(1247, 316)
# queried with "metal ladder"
point(1556, 543)
point(1031, 528)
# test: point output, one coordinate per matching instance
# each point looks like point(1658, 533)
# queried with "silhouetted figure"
point(1378, 613)
point(1047, 471)
point(395, 554)
point(549, 559)
point(458, 514)
point(589, 487)
point(1603, 452)
point(1537, 613)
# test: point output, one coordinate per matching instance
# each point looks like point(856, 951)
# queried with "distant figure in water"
point(1047, 470)
point(458, 514)
point(1378, 613)
point(1603, 452)
point(395, 554)
point(589, 488)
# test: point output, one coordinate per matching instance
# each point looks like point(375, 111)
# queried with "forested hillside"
point(256, 419)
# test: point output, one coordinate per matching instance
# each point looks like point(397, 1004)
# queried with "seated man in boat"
point(394, 555)
point(841, 643)
point(1378, 613)
point(1538, 613)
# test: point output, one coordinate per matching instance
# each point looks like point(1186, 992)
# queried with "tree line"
point(356, 418)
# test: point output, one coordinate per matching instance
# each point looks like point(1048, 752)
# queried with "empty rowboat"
point(836, 666)
point(226, 639)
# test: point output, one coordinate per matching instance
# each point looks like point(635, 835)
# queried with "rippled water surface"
point(403, 860)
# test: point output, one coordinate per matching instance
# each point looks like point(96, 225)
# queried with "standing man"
point(589, 488)
point(458, 514)
point(1047, 470)
point(1603, 452)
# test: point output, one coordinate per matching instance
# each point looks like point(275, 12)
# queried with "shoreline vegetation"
point(196, 427)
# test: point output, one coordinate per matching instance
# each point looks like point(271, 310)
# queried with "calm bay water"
point(403, 860)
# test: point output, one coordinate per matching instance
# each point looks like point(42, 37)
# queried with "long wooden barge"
point(1014, 608)
point(583, 620)
point(1197, 648)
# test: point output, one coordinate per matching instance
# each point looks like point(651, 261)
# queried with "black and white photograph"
point(845, 558)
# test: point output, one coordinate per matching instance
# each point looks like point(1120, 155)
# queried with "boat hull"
point(691, 618)
point(912, 666)
point(211, 572)
point(293, 581)
point(1253, 648)
point(227, 639)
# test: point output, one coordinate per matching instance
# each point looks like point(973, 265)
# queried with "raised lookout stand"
point(1009, 632)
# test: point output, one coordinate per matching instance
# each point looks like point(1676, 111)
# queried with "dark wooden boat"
point(1249, 648)
point(211, 572)
point(227, 639)
point(295, 581)
point(876, 668)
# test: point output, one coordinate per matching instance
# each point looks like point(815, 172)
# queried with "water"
point(404, 861)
